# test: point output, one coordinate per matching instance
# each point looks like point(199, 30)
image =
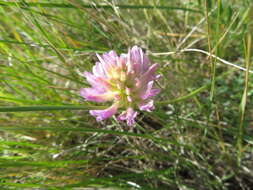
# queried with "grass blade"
point(65, 5)
point(244, 98)
point(47, 108)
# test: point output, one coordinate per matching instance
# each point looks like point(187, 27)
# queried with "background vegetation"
point(199, 136)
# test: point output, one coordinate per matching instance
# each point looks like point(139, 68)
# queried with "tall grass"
point(198, 137)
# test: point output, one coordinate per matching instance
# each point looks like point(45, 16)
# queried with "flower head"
point(126, 80)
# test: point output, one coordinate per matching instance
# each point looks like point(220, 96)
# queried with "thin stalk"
point(213, 64)
point(241, 128)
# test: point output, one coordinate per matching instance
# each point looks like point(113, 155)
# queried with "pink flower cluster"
point(126, 80)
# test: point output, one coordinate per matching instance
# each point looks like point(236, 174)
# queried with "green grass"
point(198, 137)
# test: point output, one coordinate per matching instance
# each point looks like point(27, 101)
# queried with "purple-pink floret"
point(126, 80)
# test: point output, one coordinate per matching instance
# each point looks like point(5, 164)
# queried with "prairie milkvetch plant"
point(126, 80)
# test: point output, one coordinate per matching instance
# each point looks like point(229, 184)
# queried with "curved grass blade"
point(192, 93)
point(182, 98)
point(65, 5)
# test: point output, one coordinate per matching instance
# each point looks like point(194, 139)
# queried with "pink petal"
point(145, 93)
point(154, 92)
point(157, 77)
point(108, 61)
point(96, 81)
point(136, 54)
point(149, 74)
point(90, 78)
point(98, 70)
point(145, 64)
point(147, 106)
point(110, 57)
point(105, 66)
point(122, 60)
point(122, 116)
point(129, 99)
point(129, 64)
point(128, 115)
point(104, 114)
point(150, 92)
point(139, 59)
point(95, 95)
point(136, 58)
